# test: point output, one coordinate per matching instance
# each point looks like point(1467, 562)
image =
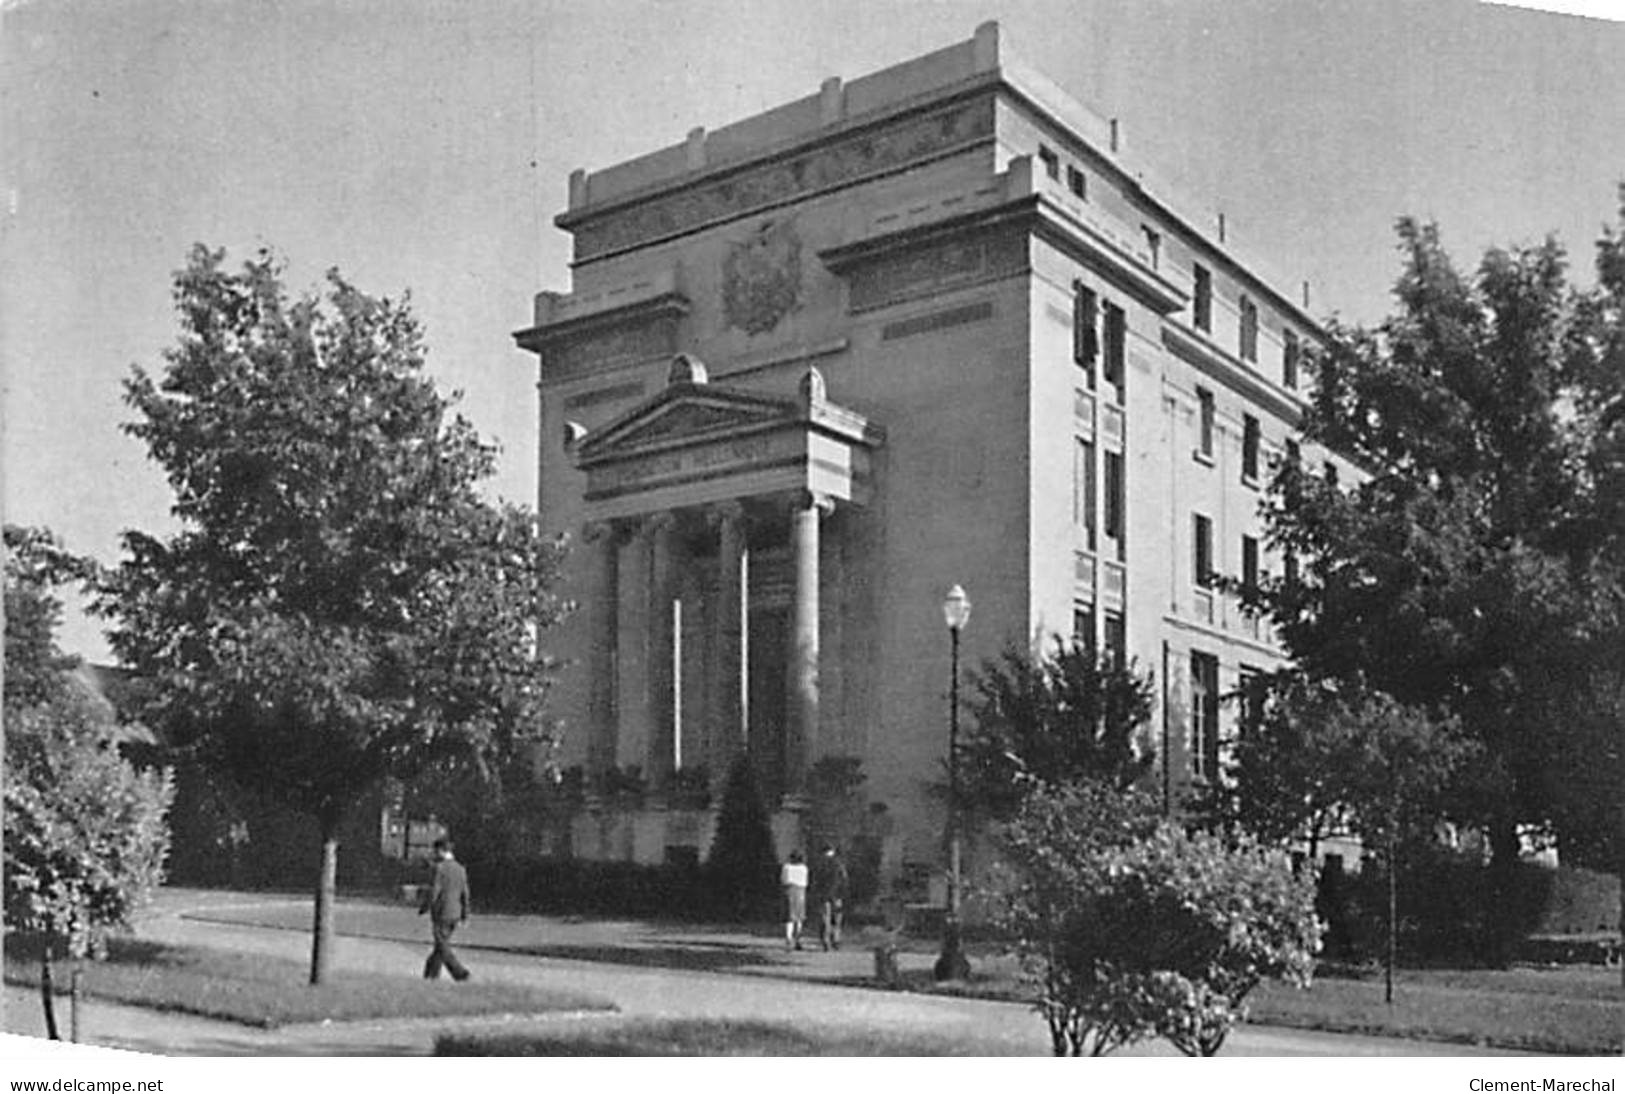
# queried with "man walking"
point(446, 902)
point(830, 882)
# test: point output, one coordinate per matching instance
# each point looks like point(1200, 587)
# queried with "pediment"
point(682, 417)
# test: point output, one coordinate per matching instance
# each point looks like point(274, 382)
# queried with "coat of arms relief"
point(761, 278)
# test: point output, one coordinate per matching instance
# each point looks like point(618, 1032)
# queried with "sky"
point(425, 146)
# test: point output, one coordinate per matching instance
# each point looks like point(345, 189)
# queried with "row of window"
point(1251, 437)
point(1205, 703)
point(1202, 568)
point(1099, 332)
point(1114, 635)
point(1247, 328)
point(1085, 505)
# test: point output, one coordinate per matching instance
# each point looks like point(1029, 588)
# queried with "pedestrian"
point(793, 878)
point(829, 884)
point(446, 903)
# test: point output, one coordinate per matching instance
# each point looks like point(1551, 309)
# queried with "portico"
point(705, 509)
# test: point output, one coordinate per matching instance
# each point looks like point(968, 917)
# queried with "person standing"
point(446, 903)
point(830, 881)
point(793, 879)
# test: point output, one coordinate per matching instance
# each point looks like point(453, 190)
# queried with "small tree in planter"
point(1133, 928)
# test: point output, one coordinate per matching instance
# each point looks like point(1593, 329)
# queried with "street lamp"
point(951, 964)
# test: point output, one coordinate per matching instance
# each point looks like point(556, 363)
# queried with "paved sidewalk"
point(723, 973)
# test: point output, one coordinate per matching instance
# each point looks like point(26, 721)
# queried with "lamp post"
point(951, 964)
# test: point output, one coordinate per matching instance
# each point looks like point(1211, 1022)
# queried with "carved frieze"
point(597, 349)
point(936, 268)
point(834, 164)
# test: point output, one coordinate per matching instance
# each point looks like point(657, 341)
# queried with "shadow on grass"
point(715, 956)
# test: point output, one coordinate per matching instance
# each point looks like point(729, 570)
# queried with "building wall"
point(983, 198)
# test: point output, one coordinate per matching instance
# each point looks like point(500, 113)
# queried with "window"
point(1116, 639)
point(1331, 474)
point(1052, 162)
point(1202, 550)
point(1289, 359)
point(1083, 626)
point(1204, 403)
point(1077, 182)
point(1204, 715)
point(1249, 329)
point(1249, 448)
point(1113, 517)
point(1294, 455)
point(1084, 343)
point(1153, 244)
point(1251, 691)
point(1249, 562)
point(1202, 304)
point(1116, 347)
point(1083, 489)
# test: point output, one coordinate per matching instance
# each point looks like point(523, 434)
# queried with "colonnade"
point(658, 542)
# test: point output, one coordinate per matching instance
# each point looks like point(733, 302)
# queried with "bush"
point(578, 887)
point(1133, 928)
point(743, 868)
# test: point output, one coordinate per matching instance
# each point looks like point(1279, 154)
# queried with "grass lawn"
point(1570, 1010)
point(704, 1037)
point(268, 992)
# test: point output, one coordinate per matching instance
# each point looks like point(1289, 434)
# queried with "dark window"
point(1077, 182)
point(1085, 345)
point(1249, 562)
point(1249, 329)
point(1083, 488)
point(1113, 521)
point(1203, 301)
point(1083, 626)
point(1289, 567)
point(1289, 359)
point(1204, 402)
point(1116, 348)
point(1249, 448)
point(1250, 692)
point(1331, 474)
point(1202, 550)
point(1052, 162)
point(1116, 639)
point(1294, 455)
point(1153, 245)
point(1204, 715)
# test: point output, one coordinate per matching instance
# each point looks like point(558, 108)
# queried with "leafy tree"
point(85, 835)
point(743, 866)
point(1134, 928)
point(1047, 720)
point(1458, 573)
point(341, 604)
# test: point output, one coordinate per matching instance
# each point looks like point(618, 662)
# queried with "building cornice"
point(1230, 371)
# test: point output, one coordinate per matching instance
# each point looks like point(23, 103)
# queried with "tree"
point(1047, 720)
point(743, 866)
point(341, 604)
point(1459, 573)
point(85, 834)
point(1134, 928)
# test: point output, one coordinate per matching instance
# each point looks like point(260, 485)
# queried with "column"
point(660, 536)
point(604, 592)
point(728, 614)
point(802, 676)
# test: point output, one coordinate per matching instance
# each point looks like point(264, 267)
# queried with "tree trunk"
point(47, 993)
point(1393, 917)
point(1504, 849)
point(1619, 850)
point(74, 991)
point(321, 942)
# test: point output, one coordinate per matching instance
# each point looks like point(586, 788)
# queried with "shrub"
point(1133, 928)
point(743, 869)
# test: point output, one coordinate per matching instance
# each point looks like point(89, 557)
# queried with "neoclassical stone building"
point(925, 328)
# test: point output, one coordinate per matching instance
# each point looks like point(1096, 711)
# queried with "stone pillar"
point(728, 614)
point(660, 534)
point(604, 594)
point(802, 675)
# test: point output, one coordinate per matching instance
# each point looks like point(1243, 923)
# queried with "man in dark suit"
point(446, 902)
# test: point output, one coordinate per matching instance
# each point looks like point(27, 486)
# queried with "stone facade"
point(931, 327)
